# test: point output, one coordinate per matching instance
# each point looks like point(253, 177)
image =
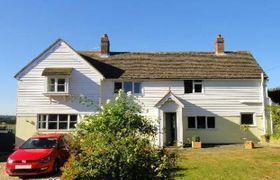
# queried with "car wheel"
point(56, 167)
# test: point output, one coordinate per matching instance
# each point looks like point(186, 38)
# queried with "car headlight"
point(10, 161)
point(45, 159)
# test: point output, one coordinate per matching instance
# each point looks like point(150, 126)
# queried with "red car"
point(40, 154)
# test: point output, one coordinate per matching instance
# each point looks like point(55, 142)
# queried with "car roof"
point(54, 135)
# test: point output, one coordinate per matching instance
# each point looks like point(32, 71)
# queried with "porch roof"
point(57, 71)
point(170, 96)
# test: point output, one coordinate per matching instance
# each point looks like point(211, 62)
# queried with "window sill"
point(206, 129)
point(194, 93)
point(55, 130)
point(250, 126)
point(50, 94)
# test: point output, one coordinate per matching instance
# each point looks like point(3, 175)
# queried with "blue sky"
point(28, 27)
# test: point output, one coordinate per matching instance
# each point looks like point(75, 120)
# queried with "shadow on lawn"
point(180, 172)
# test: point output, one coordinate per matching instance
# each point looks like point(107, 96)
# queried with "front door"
point(171, 131)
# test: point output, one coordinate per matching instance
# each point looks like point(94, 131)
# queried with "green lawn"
point(229, 162)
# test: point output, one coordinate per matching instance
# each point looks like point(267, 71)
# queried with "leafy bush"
point(196, 138)
point(275, 116)
point(115, 143)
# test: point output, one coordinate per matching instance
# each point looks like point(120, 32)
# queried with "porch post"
point(161, 128)
point(180, 128)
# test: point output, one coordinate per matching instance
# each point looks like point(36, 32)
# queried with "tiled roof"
point(175, 65)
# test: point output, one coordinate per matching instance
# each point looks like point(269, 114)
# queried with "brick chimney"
point(219, 45)
point(105, 46)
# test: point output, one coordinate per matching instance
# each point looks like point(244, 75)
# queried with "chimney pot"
point(105, 46)
point(219, 45)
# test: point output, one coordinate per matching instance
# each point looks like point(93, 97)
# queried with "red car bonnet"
point(30, 154)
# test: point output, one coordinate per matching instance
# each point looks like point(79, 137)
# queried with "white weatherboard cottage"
point(209, 94)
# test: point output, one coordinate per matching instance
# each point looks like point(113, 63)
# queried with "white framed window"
point(247, 118)
point(201, 122)
point(56, 121)
point(133, 87)
point(197, 86)
point(57, 85)
point(193, 86)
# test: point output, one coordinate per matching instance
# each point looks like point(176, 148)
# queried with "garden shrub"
point(115, 143)
point(275, 116)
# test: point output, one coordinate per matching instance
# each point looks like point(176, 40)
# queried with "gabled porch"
point(171, 128)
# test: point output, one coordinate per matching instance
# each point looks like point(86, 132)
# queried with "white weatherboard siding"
point(84, 81)
point(220, 97)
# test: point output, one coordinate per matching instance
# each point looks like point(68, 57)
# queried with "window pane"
point(188, 85)
point(63, 117)
point(210, 122)
point(191, 122)
point(137, 87)
point(61, 81)
point(201, 122)
point(61, 88)
point(52, 117)
point(127, 86)
point(117, 87)
point(247, 119)
point(61, 85)
point(51, 88)
point(62, 125)
point(198, 88)
point(73, 121)
point(42, 122)
point(52, 121)
point(52, 81)
point(51, 85)
point(52, 125)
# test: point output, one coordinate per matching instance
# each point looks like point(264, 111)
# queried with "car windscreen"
point(39, 143)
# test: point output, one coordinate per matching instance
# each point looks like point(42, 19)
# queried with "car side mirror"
point(16, 147)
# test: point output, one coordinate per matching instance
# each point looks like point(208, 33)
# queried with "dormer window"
point(57, 81)
point(57, 84)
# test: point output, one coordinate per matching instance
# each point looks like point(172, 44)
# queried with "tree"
point(116, 143)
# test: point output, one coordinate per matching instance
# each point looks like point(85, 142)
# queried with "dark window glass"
point(188, 85)
point(63, 118)
point(73, 121)
point(137, 87)
point(247, 119)
point(42, 122)
point(61, 85)
point(39, 143)
point(198, 88)
point(51, 85)
point(52, 125)
point(201, 122)
point(117, 87)
point(191, 122)
point(52, 121)
point(127, 86)
point(53, 117)
point(210, 122)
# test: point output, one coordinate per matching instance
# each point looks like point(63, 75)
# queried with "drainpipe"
point(159, 129)
point(263, 101)
point(270, 118)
